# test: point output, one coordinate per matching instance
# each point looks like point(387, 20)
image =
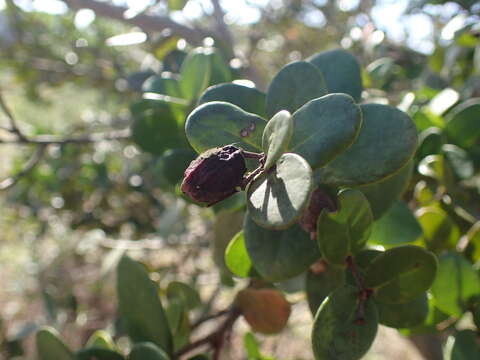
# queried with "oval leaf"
point(195, 73)
point(140, 305)
point(325, 127)
point(98, 354)
point(293, 86)
point(147, 351)
point(279, 255)
point(275, 199)
point(406, 315)
point(236, 257)
point(383, 194)
point(456, 282)
point(401, 274)
point(341, 72)
point(462, 126)
point(247, 98)
point(276, 137)
point(50, 346)
point(338, 332)
point(321, 280)
point(215, 124)
point(398, 226)
point(387, 140)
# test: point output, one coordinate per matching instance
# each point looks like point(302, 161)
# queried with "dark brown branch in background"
point(216, 339)
point(148, 23)
point(13, 124)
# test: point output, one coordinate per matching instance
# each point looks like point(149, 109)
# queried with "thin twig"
point(29, 165)
point(204, 319)
point(74, 139)
point(13, 123)
point(216, 339)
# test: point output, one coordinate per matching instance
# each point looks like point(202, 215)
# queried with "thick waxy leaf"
point(50, 346)
point(462, 346)
point(236, 257)
point(195, 73)
point(345, 231)
point(101, 339)
point(172, 164)
point(276, 136)
point(401, 274)
point(383, 194)
point(341, 72)
point(215, 124)
point(293, 86)
point(249, 99)
point(325, 127)
point(398, 226)
point(387, 140)
point(456, 282)
point(338, 332)
point(321, 280)
point(140, 305)
point(462, 126)
point(155, 128)
point(279, 255)
point(276, 198)
point(405, 315)
point(147, 351)
point(98, 354)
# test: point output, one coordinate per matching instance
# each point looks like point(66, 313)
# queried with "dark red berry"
point(214, 175)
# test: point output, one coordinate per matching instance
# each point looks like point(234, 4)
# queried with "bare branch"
point(149, 23)
point(74, 139)
point(13, 124)
point(29, 165)
point(221, 27)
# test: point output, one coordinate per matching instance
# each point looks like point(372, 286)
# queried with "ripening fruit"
point(265, 310)
point(214, 175)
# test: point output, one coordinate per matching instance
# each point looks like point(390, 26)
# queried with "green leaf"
point(101, 339)
point(276, 198)
point(325, 127)
point(175, 5)
point(346, 231)
point(147, 351)
point(195, 73)
point(184, 292)
point(165, 83)
point(398, 226)
point(98, 354)
point(322, 282)
point(276, 136)
point(462, 124)
point(216, 124)
point(456, 282)
point(337, 331)
point(439, 230)
point(462, 346)
point(401, 274)
point(140, 306)
point(406, 315)
point(172, 164)
point(293, 86)
point(50, 346)
point(383, 194)
point(387, 141)
point(155, 128)
point(279, 255)
point(220, 71)
point(253, 348)
point(236, 257)
point(247, 98)
point(341, 72)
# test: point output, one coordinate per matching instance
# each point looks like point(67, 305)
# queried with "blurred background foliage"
point(74, 69)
